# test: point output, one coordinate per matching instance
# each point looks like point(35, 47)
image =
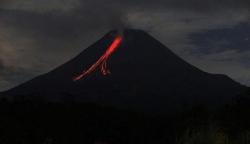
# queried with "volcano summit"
point(145, 75)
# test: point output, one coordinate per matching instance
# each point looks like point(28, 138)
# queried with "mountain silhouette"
point(144, 75)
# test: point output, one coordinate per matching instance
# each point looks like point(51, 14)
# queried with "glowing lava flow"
point(102, 61)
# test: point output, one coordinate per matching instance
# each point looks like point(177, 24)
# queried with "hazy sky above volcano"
point(38, 35)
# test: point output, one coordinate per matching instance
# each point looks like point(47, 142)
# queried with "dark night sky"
point(38, 35)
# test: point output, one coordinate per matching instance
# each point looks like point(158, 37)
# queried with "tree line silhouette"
point(35, 121)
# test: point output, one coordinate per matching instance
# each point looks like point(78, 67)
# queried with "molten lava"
point(102, 61)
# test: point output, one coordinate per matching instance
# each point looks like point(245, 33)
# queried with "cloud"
point(40, 5)
point(174, 28)
point(67, 5)
point(231, 62)
point(1, 66)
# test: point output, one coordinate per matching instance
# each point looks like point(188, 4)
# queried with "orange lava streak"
point(102, 61)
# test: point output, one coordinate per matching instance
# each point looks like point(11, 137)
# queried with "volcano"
point(144, 75)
